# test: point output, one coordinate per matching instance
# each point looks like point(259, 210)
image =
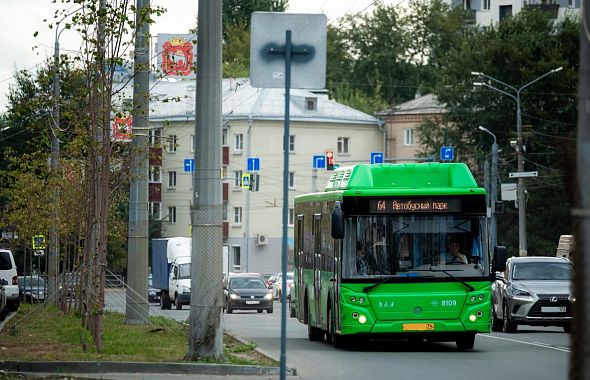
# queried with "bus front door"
point(317, 258)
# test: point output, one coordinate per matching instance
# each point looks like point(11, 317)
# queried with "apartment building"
point(253, 127)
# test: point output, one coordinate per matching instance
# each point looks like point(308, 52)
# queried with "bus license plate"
point(418, 326)
point(553, 309)
point(252, 302)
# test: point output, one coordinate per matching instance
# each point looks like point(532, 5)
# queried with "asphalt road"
point(532, 353)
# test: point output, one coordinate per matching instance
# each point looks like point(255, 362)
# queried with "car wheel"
point(259, 311)
point(567, 328)
point(466, 341)
point(497, 323)
point(269, 311)
point(177, 303)
point(509, 325)
point(228, 309)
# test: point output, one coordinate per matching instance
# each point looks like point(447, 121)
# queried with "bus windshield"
point(414, 246)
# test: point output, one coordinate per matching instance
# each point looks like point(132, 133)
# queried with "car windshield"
point(414, 246)
point(542, 271)
point(247, 283)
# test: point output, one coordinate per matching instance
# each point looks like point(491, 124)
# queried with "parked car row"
point(533, 291)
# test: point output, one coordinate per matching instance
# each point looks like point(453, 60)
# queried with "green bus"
point(393, 251)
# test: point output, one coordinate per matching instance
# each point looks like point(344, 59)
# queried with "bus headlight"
point(472, 318)
point(362, 319)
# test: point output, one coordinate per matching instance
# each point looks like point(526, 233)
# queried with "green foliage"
point(239, 12)
point(517, 51)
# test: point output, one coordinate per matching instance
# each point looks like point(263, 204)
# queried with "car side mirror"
point(337, 221)
point(500, 258)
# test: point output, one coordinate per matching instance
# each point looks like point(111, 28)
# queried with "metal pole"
point(206, 330)
point(248, 193)
point(285, 247)
point(520, 193)
point(53, 251)
point(579, 363)
point(136, 311)
point(494, 194)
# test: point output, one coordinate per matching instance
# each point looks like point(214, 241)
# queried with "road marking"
point(563, 349)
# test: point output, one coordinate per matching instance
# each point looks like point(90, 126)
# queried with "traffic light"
point(254, 182)
point(329, 160)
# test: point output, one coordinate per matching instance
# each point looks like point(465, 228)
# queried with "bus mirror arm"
point(337, 221)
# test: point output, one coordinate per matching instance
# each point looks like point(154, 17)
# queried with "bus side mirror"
point(337, 222)
point(499, 260)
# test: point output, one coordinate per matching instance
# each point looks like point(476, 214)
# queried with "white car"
point(8, 273)
point(277, 290)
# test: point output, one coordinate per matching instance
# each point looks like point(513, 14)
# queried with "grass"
point(44, 333)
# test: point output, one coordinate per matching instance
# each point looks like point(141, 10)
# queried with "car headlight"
point(268, 296)
point(519, 293)
point(234, 296)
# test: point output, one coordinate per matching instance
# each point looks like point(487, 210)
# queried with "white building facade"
point(253, 127)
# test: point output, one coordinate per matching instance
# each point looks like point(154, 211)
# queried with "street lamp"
point(522, 243)
point(493, 187)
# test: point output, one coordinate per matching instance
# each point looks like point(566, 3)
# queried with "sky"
point(20, 19)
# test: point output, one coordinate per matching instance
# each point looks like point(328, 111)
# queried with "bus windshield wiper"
point(367, 288)
point(469, 287)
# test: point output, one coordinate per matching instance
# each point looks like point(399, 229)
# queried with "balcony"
point(155, 192)
point(155, 156)
point(225, 155)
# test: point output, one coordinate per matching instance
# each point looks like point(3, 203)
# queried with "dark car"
point(533, 291)
point(246, 292)
point(153, 293)
point(32, 288)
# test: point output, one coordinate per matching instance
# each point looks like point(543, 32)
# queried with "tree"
point(516, 51)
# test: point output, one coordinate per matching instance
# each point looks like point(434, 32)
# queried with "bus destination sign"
point(405, 205)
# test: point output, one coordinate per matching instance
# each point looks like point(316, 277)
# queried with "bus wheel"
point(314, 334)
point(466, 341)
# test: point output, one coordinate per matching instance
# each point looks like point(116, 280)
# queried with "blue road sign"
point(253, 164)
point(319, 161)
point(189, 165)
point(447, 153)
point(376, 157)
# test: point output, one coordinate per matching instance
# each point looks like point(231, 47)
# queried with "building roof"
point(427, 104)
point(240, 100)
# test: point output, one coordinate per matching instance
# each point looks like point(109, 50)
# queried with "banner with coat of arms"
point(177, 55)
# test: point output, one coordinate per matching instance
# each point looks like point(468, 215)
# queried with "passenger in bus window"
point(363, 266)
point(456, 256)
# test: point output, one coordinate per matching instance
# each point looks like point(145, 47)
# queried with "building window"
point(486, 5)
point(343, 143)
point(155, 174)
point(171, 179)
point(155, 210)
point(192, 143)
point(172, 143)
point(237, 215)
point(237, 178)
point(155, 136)
point(291, 180)
point(224, 137)
point(408, 136)
point(505, 11)
point(172, 214)
point(224, 211)
point(291, 143)
point(238, 143)
point(291, 216)
point(311, 104)
point(236, 257)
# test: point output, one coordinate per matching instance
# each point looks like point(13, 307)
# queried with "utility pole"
point(579, 363)
point(136, 311)
point(206, 332)
point(493, 188)
point(520, 191)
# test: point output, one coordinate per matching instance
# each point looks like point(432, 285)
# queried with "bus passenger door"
point(336, 282)
point(317, 257)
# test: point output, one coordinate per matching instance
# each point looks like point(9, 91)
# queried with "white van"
point(8, 273)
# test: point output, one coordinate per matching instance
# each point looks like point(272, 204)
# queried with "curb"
point(63, 367)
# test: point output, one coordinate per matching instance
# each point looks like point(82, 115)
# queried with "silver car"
point(533, 291)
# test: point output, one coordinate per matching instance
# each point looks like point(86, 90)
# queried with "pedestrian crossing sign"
point(246, 181)
point(39, 242)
